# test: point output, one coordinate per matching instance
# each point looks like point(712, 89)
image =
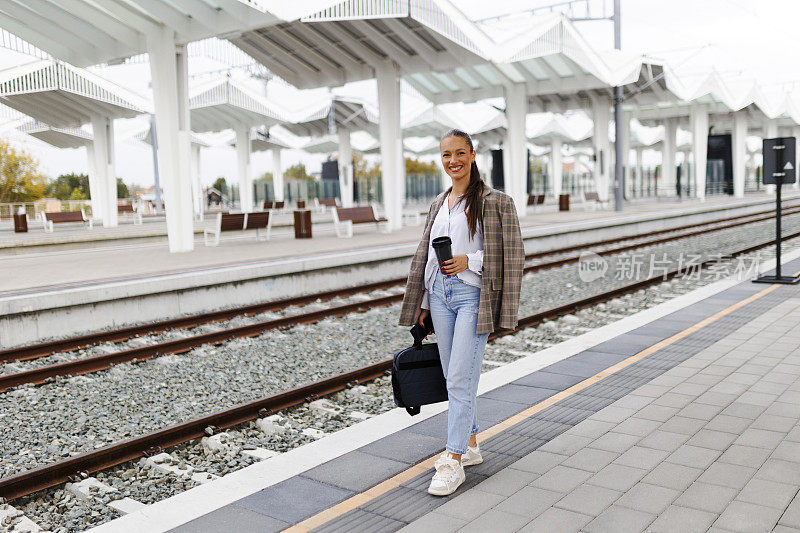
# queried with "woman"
point(469, 296)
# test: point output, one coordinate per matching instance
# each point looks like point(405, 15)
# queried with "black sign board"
point(779, 160)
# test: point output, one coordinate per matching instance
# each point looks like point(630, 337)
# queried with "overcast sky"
point(743, 39)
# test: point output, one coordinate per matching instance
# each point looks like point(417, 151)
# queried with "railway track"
point(52, 474)
point(44, 349)
point(44, 374)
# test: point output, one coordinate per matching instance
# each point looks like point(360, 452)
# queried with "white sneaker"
point(448, 477)
point(472, 457)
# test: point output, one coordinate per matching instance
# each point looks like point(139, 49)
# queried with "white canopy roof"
point(223, 103)
point(348, 112)
point(58, 137)
point(88, 32)
point(64, 96)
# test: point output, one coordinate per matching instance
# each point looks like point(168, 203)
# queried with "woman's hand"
point(422, 316)
point(455, 265)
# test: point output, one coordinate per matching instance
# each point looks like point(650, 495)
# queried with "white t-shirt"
point(454, 225)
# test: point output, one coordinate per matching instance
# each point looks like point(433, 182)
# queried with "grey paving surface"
point(700, 435)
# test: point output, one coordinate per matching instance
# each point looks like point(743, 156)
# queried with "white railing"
point(361, 9)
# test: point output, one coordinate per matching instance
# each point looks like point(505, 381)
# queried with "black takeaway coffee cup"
point(441, 245)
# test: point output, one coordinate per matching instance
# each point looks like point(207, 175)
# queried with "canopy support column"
point(640, 170)
point(699, 119)
point(277, 175)
point(485, 167)
point(738, 149)
point(556, 167)
point(103, 131)
point(94, 188)
point(169, 70)
point(197, 189)
point(625, 154)
point(668, 176)
point(392, 164)
point(243, 167)
point(516, 172)
point(345, 168)
point(602, 146)
point(796, 135)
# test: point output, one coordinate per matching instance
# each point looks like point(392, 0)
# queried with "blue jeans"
point(454, 311)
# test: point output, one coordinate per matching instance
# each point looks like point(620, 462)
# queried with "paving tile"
point(693, 456)
point(784, 409)
point(512, 444)
point(362, 521)
point(491, 411)
point(700, 411)
point(785, 529)
point(588, 499)
point(649, 498)
point(767, 493)
point(745, 456)
point(555, 519)
point(561, 479)
point(613, 414)
point(727, 475)
point(566, 444)
point(664, 440)
point(770, 422)
point(495, 520)
point(538, 462)
point(711, 498)
point(637, 426)
point(493, 463)
point(519, 394)
point(506, 482)
point(779, 470)
point(433, 522)
point(614, 442)
point(682, 425)
point(760, 438)
point(592, 428)
point(787, 451)
point(672, 476)
point(435, 426)
point(405, 446)
point(403, 504)
point(294, 499)
point(743, 410)
point(539, 429)
point(529, 501)
point(716, 440)
point(729, 424)
point(634, 401)
point(717, 398)
point(232, 518)
point(355, 471)
point(745, 517)
point(619, 520)
point(548, 380)
point(469, 505)
point(683, 519)
point(660, 413)
point(791, 517)
point(590, 459)
point(672, 399)
point(640, 457)
point(617, 477)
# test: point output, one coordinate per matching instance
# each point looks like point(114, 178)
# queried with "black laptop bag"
point(417, 376)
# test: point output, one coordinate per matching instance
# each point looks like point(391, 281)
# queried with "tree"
point(267, 176)
point(122, 189)
point(221, 185)
point(69, 187)
point(297, 172)
point(20, 178)
point(415, 166)
point(362, 170)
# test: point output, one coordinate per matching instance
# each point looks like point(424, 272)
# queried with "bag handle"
point(419, 333)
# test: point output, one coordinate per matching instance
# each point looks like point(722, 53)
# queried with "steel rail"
point(44, 349)
point(87, 365)
point(45, 476)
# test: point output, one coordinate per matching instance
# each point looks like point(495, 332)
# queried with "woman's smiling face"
point(457, 157)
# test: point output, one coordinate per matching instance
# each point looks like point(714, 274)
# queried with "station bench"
point(269, 204)
point(535, 199)
point(321, 203)
point(592, 199)
point(127, 210)
point(259, 220)
point(345, 217)
point(48, 219)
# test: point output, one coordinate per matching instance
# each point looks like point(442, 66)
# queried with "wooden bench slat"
point(65, 216)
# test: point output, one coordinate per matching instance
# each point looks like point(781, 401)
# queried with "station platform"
point(70, 288)
point(683, 417)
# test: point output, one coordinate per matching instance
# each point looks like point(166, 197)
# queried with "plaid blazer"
point(503, 259)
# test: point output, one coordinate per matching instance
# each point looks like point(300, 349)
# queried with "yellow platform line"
point(362, 498)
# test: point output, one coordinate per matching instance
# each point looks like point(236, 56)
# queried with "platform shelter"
point(63, 96)
point(262, 140)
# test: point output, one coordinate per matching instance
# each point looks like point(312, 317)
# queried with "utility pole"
point(619, 159)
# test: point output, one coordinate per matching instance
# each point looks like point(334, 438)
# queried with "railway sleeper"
point(93, 489)
point(167, 464)
point(11, 516)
